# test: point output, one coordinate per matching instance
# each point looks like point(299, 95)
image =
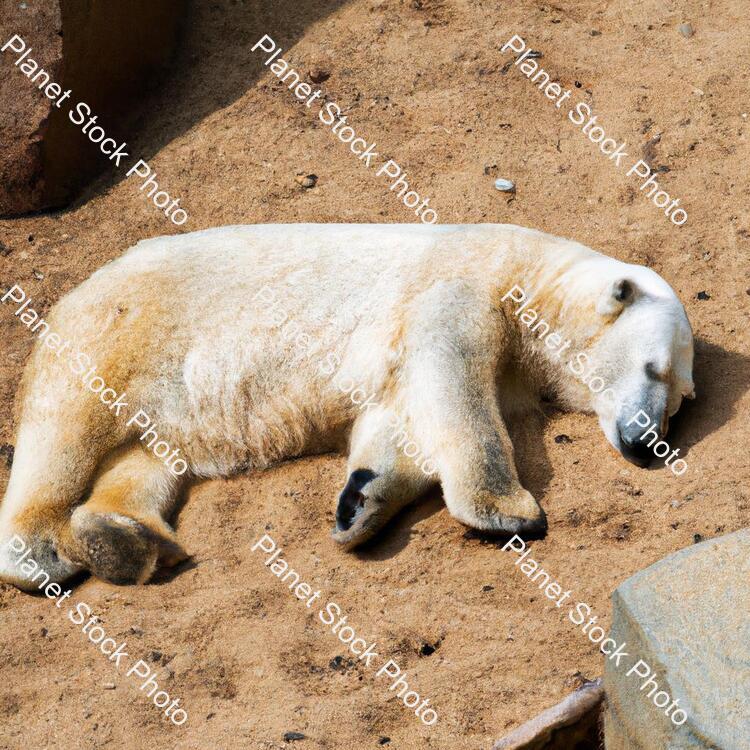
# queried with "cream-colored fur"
point(413, 313)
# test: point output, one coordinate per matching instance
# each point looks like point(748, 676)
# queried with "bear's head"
point(643, 353)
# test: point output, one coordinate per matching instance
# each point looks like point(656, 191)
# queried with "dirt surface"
point(427, 81)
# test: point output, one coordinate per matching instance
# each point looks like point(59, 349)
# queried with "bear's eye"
point(653, 372)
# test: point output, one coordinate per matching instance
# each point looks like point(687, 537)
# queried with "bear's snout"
point(634, 444)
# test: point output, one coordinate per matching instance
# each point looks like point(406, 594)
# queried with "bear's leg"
point(381, 478)
point(59, 443)
point(453, 405)
point(120, 532)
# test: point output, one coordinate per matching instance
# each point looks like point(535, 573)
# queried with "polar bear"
point(243, 344)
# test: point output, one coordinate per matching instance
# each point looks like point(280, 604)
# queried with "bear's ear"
point(618, 295)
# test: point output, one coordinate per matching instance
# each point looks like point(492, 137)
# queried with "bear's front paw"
point(516, 512)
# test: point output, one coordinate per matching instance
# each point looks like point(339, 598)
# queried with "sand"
point(426, 81)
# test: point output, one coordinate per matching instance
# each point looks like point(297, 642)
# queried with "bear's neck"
point(550, 300)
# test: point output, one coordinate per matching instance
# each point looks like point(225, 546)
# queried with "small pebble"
point(703, 295)
point(697, 538)
point(4, 250)
point(686, 30)
point(384, 740)
point(38, 275)
point(505, 186)
point(337, 664)
point(562, 439)
point(318, 76)
point(307, 181)
point(109, 685)
point(293, 736)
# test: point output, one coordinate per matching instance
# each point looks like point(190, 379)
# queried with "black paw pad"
point(351, 499)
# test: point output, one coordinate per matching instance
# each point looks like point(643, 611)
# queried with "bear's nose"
point(635, 447)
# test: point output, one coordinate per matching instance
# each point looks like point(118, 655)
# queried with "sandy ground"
point(427, 81)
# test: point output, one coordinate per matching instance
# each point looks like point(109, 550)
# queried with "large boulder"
point(109, 54)
point(688, 618)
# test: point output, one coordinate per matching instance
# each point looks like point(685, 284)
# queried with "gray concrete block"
point(688, 618)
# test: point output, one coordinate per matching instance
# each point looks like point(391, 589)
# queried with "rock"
point(24, 110)
point(427, 649)
point(108, 55)
point(340, 664)
point(317, 75)
point(686, 617)
point(307, 181)
point(108, 685)
point(505, 186)
point(686, 30)
point(384, 740)
point(5, 251)
point(562, 439)
point(293, 736)
point(703, 295)
point(574, 722)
